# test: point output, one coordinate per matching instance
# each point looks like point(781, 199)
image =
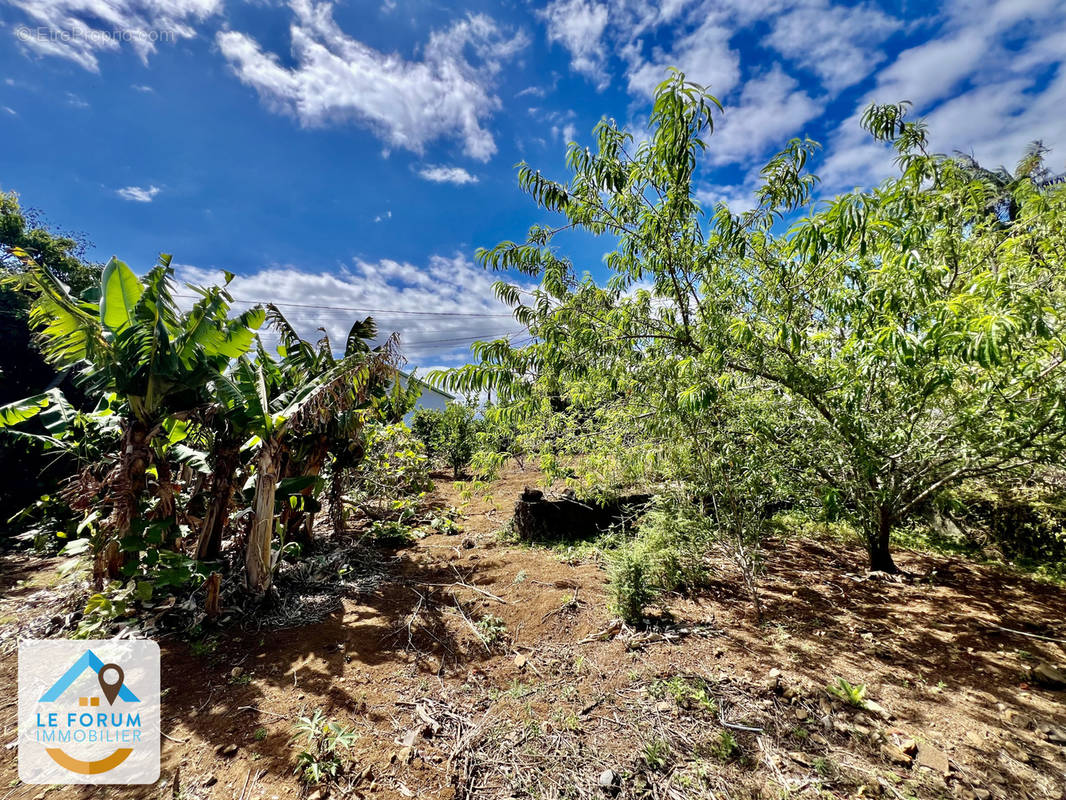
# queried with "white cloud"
point(407, 103)
point(438, 309)
point(382, 217)
point(837, 43)
point(143, 88)
point(579, 26)
point(79, 30)
point(704, 55)
point(139, 194)
point(771, 108)
point(990, 81)
point(445, 174)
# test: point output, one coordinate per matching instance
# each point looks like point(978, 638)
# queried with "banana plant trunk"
point(223, 482)
point(300, 524)
point(133, 465)
point(257, 558)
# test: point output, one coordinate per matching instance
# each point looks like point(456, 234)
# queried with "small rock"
point(879, 710)
point(210, 780)
point(931, 758)
point(895, 755)
point(608, 780)
point(404, 755)
point(227, 750)
point(236, 672)
point(664, 707)
point(802, 713)
point(1054, 735)
point(520, 661)
point(909, 746)
point(468, 543)
point(981, 794)
point(315, 795)
point(1050, 676)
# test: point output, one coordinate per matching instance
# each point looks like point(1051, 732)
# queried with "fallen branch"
point(1030, 635)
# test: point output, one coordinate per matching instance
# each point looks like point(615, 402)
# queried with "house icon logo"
point(88, 712)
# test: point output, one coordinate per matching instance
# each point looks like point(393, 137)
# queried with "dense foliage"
point(859, 356)
point(23, 370)
point(199, 435)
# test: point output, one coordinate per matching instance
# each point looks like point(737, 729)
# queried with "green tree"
point(23, 370)
point(136, 344)
point(906, 336)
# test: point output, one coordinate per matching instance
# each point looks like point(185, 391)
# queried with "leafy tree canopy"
point(899, 339)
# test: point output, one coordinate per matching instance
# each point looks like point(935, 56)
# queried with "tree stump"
point(537, 519)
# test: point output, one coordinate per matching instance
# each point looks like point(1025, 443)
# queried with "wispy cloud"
point(437, 308)
point(407, 103)
point(579, 26)
point(139, 194)
point(80, 30)
point(445, 174)
point(990, 80)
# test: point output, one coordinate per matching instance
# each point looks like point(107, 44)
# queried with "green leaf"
point(22, 410)
point(121, 291)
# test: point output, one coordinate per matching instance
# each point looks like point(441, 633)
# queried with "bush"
point(631, 588)
point(448, 436)
point(668, 555)
point(396, 466)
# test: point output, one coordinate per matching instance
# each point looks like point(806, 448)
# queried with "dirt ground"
point(564, 703)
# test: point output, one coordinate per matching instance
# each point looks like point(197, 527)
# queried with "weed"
point(391, 534)
point(824, 767)
point(726, 748)
point(260, 734)
point(322, 740)
point(657, 754)
point(491, 628)
point(630, 585)
point(689, 693)
point(204, 647)
point(853, 695)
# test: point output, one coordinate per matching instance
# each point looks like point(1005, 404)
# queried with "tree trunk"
point(877, 543)
point(209, 543)
point(300, 524)
point(257, 559)
point(133, 463)
point(336, 498)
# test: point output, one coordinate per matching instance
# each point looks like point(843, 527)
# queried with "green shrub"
point(321, 759)
point(449, 436)
point(630, 587)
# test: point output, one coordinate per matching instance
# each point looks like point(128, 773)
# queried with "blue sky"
point(354, 155)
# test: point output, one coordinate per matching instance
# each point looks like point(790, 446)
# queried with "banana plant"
point(137, 344)
point(274, 408)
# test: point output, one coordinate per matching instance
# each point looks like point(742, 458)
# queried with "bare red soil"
point(563, 696)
